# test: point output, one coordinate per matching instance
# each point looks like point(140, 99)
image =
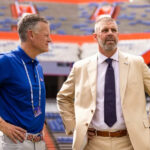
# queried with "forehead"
point(42, 26)
point(107, 24)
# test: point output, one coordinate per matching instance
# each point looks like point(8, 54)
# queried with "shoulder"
point(39, 66)
point(40, 69)
point(131, 58)
point(5, 66)
point(85, 61)
point(6, 57)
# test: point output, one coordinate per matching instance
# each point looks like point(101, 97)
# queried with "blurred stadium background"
point(72, 24)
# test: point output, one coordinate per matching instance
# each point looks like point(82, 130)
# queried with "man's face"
point(41, 37)
point(107, 36)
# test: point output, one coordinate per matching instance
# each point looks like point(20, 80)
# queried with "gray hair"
point(103, 18)
point(28, 22)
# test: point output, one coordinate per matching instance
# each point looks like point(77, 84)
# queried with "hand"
point(13, 132)
point(91, 133)
point(43, 131)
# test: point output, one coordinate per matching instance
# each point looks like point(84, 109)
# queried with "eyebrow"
point(112, 28)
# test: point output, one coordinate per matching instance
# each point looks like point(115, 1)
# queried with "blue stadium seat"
point(62, 139)
point(50, 115)
point(3, 7)
point(50, 18)
point(126, 17)
point(78, 26)
point(147, 10)
point(8, 20)
point(143, 15)
point(89, 21)
point(147, 31)
point(2, 14)
point(132, 23)
point(56, 125)
point(55, 26)
point(147, 23)
point(62, 18)
point(84, 14)
point(41, 8)
point(7, 29)
point(87, 31)
point(138, 6)
point(118, 22)
point(62, 32)
point(93, 4)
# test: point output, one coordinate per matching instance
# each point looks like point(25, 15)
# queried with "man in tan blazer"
point(81, 100)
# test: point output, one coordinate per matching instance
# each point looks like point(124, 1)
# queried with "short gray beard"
point(110, 47)
point(107, 47)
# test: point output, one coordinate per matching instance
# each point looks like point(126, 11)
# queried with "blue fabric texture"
point(15, 94)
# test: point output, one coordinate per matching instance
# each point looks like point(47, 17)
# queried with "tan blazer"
point(77, 99)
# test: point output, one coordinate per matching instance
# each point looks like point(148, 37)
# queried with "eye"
point(114, 30)
point(46, 35)
point(104, 31)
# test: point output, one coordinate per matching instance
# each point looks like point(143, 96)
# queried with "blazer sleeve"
point(65, 103)
point(146, 77)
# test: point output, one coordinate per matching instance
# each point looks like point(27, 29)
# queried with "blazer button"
point(86, 124)
point(92, 111)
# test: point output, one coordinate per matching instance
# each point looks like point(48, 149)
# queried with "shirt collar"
point(25, 57)
point(102, 58)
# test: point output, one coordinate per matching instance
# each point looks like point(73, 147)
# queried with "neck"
point(29, 50)
point(107, 53)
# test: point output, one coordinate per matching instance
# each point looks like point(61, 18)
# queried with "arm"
point(146, 77)
point(13, 132)
point(65, 102)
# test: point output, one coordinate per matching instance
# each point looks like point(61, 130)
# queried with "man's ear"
point(95, 36)
point(30, 34)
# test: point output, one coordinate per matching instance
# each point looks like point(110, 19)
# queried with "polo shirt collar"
point(25, 57)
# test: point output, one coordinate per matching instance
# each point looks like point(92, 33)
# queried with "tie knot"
point(109, 61)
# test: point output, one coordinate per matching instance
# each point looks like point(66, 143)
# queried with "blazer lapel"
point(123, 71)
point(92, 75)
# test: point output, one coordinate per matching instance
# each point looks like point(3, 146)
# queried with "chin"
point(110, 47)
point(45, 50)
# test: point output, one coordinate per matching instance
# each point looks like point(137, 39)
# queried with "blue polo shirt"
point(15, 91)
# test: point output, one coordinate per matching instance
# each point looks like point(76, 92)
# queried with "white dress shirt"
point(98, 118)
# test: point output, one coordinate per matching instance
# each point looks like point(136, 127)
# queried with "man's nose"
point(110, 31)
point(49, 39)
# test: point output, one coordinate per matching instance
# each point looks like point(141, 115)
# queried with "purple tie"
point(109, 95)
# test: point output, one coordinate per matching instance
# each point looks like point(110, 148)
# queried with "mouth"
point(46, 44)
point(110, 41)
point(110, 38)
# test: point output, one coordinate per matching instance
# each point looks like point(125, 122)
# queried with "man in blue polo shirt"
point(22, 88)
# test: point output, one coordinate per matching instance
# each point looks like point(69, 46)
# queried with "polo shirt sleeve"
point(4, 68)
